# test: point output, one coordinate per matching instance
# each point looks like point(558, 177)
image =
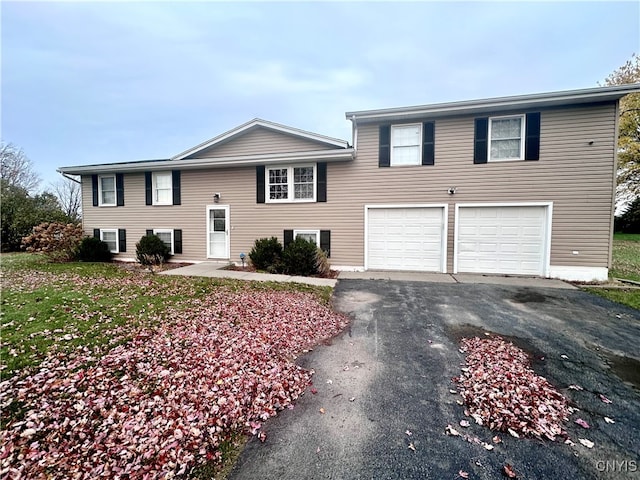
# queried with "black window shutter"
point(325, 241)
point(384, 147)
point(149, 232)
point(321, 194)
point(428, 143)
point(177, 241)
point(96, 233)
point(175, 186)
point(260, 183)
point(94, 189)
point(532, 136)
point(481, 140)
point(122, 240)
point(288, 237)
point(119, 189)
point(148, 193)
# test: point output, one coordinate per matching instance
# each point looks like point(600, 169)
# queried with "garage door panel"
point(507, 240)
point(406, 238)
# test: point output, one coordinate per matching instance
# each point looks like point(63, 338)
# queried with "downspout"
point(354, 134)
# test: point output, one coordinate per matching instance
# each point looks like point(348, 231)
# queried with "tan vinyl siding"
point(575, 176)
point(260, 141)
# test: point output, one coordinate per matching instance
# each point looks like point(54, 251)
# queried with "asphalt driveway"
point(384, 384)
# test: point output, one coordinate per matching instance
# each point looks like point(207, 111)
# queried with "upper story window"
point(506, 138)
point(291, 183)
point(406, 144)
point(162, 193)
point(110, 237)
point(406, 141)
point(107, 190)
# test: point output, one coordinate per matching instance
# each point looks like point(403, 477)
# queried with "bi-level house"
point(518, 185)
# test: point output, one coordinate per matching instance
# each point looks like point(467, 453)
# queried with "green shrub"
point(266, 254)
point(629, 221)
point(151, 250)
point(300, 257)
point(93, 249)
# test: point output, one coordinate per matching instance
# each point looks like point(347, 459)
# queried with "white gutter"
point(200, 163)
point(590, 95)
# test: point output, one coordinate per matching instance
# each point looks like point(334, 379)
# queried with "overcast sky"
point(86, 83)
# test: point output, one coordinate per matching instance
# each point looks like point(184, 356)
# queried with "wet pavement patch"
point(528, 296)
point(626, 368)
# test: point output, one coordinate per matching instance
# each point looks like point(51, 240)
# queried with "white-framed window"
point(406, 141)
point(162, 191)
point(308, 235)
point(295, 183)
point(166, 235)
point(107, 190)
point(110, 237)
point(506, 138)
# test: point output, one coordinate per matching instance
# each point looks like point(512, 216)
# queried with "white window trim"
point(308, 232)
point(290, 183)
point(153, 187)
point(391, 146)
point(156, 231)
point(522, 139)
point(115, 191)
point(111, 230)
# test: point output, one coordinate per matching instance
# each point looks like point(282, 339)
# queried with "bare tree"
point(69, 193)
point(16, 168)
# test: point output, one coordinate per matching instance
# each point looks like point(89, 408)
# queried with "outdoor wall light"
point(452, 190)
point(216, 197)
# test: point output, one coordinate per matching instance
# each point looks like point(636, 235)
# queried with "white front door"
point(218, 231)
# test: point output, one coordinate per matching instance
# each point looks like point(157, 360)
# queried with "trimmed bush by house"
point(300, 257)
point(266, 254)
point(151, 250)
point(93, 249)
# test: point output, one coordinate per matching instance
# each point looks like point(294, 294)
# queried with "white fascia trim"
point(548, 224)
point(445, 227)
point(257, 122)
point(536, 100)
point(199, 163)
point(579, 274)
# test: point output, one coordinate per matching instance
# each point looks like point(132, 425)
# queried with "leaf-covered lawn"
point(149, 376)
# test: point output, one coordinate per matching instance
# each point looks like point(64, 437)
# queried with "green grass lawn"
point(50, 308)
point(626, 265)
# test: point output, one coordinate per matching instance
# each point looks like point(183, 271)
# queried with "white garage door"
point(407, 238)
point(509, 240)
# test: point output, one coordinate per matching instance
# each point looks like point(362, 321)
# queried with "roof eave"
point(342, 155)
point(552, 99)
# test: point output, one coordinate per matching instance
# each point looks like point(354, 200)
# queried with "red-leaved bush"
point(164, 402)
point(59, 241)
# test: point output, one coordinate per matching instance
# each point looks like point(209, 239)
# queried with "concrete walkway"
point(215, 270)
